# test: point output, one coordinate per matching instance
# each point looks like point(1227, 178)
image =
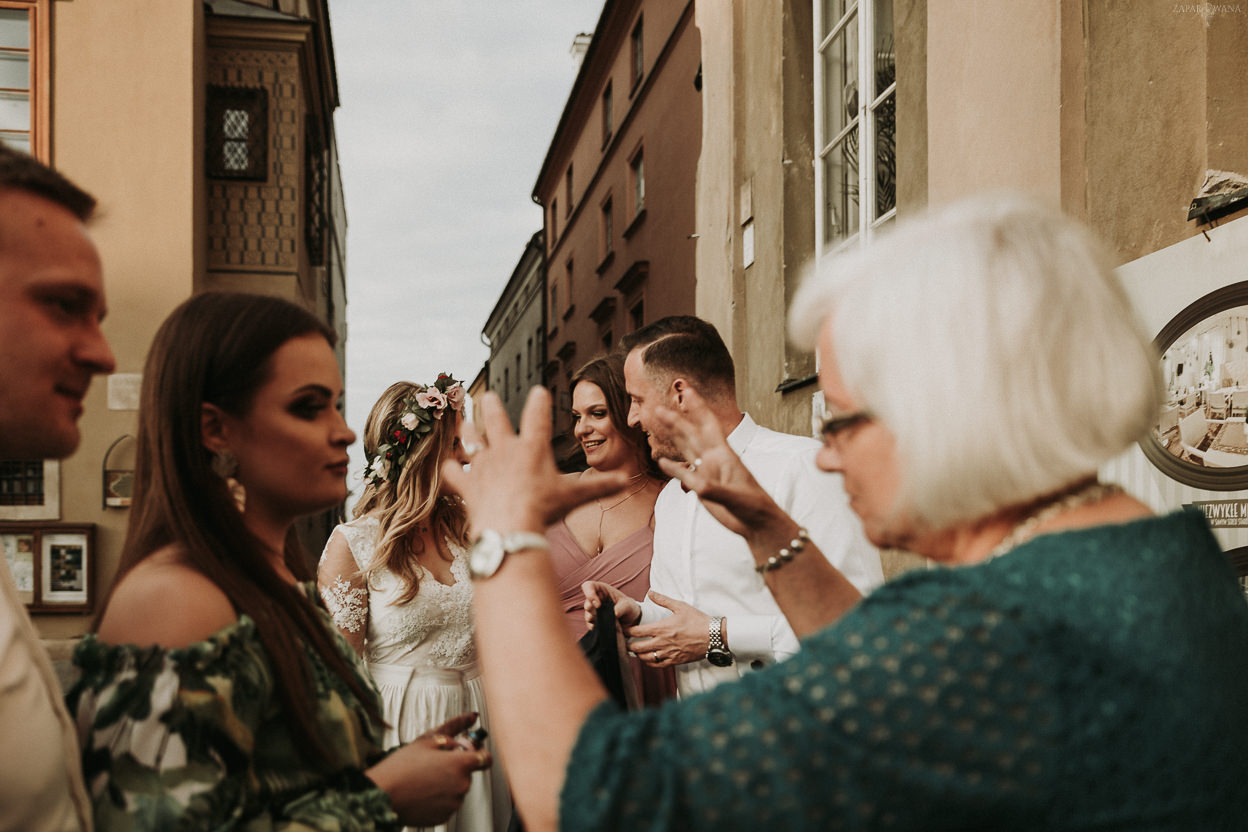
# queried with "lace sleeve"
point(347, 604)
point(343, 589)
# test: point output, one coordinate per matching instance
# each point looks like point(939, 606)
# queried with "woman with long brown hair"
point(396, 580)
point(610, 540)
point(216, 692)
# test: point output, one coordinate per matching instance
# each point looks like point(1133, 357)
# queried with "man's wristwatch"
point(489, 550)
point(716, 653)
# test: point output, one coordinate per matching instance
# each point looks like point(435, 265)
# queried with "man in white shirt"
point(709, 613)
point(51, 304)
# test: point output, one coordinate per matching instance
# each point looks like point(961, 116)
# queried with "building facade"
point(515, 331)
point(617, 191)
point(209, 144)
point(825, 122)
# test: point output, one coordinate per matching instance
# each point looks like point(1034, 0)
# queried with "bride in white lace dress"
point(396, 580)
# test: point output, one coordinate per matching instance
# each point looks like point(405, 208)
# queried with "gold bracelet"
point(786, 554)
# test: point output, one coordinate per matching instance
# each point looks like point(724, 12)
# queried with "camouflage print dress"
point(193, 738)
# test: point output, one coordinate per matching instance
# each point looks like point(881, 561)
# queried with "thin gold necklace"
point(602, 512)
point(1025, 529)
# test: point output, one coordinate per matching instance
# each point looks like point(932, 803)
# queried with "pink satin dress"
point(624, 565)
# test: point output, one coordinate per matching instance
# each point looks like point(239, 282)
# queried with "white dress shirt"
point(698, 561)
point(41, 788)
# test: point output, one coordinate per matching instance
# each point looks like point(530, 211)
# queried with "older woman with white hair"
point(1077, 663)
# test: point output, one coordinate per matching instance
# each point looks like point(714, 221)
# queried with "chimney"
point(580, 45)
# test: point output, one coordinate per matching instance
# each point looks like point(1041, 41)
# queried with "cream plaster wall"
point(126, 126)
point(993, 98)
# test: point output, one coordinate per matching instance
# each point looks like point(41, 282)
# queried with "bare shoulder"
point(165, 602)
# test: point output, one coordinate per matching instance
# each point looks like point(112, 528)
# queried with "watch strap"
point(716, 634)
point(516, 541)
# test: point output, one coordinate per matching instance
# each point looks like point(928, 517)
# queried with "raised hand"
point(512, 483)
point(714, 471)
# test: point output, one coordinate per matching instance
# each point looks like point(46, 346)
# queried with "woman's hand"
point(427, 779)
point(714, 471)
point(627, 610)
point(512, 483)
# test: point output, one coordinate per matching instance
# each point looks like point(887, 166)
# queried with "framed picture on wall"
point(53, 565)
point(19, 555)
point(1200, 437)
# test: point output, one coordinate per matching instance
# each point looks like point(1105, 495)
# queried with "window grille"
point(238, 133)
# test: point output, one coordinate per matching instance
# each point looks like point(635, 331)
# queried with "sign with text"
point(1224, 513)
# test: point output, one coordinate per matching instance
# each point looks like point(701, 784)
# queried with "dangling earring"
point(225, 466)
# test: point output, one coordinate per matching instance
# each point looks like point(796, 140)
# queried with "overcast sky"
point(446, 113)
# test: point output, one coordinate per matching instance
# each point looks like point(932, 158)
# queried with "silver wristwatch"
point(489, 550)
point(716, 652)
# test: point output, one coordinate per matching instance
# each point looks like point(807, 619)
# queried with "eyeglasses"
point(836, 426)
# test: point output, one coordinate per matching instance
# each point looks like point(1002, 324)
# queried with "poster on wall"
point(1200, 437)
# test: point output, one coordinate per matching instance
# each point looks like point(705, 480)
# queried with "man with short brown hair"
point(51, 305)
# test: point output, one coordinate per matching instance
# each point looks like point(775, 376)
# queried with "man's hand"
point(627, 610)
point(683, 636)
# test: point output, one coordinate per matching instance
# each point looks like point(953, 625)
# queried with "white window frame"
point(864, 121)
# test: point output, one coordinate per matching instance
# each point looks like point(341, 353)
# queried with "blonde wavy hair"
point(413, 497)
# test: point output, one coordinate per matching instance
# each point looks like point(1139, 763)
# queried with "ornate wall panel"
point(254, 226)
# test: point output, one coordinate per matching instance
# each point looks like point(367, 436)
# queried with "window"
point(506, 379)
point(24, 50)
point(568, 273)
point(238, 133)
point(315, 183)
point(637, 173)
point(608, 341)
point(567, 192)
point(855, 119)
point(637, 315)
point(554, 221)
point(554, 299)
point(607, 227)
point(518, 382)
point(638, 53)
point(607, 124)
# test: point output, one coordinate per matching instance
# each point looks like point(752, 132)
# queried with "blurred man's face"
point(51, 305)
point(647, 392)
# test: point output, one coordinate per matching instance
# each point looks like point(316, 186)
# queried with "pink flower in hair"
point(455, 396)
point(432, 399)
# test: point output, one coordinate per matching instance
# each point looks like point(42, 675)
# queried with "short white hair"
point(994, 342)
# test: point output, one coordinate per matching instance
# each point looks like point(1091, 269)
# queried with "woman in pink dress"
point(610, 540)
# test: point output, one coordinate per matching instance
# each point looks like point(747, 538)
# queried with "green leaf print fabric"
point(194, 738)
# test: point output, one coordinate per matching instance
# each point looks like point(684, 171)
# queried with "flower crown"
point(415, 419)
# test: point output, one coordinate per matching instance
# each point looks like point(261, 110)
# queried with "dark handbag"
point(607, 651)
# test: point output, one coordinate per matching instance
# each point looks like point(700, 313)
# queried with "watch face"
point(719, 657)
point(486, 555)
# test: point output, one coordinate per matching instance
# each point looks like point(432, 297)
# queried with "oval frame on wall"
point(1190, 473)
